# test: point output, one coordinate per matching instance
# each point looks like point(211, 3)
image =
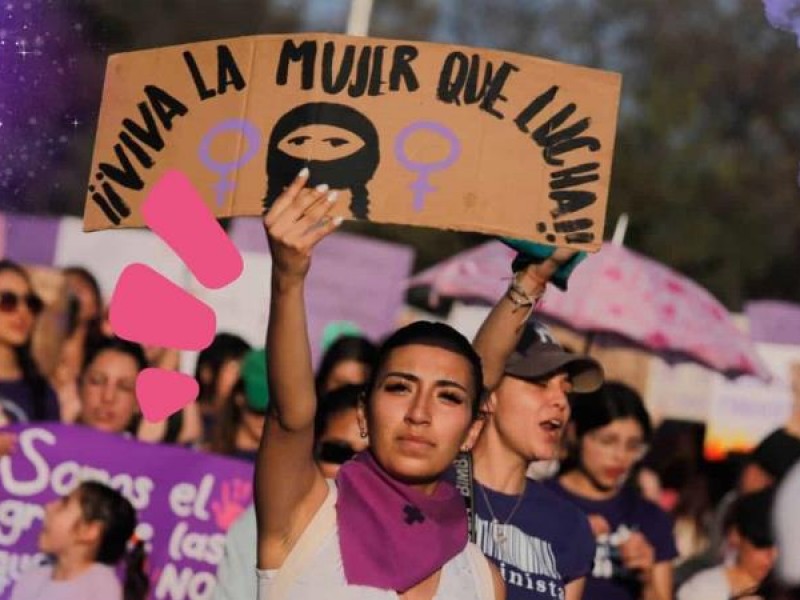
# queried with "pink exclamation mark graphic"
point(147, 307)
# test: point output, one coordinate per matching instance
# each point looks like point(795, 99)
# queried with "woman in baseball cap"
point(541, 542)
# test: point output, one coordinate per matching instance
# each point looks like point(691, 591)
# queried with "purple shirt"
point(546, 544)
point(17, 401)
point(626, 512)
point(98, 581)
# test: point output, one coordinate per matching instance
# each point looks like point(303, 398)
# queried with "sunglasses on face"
point(336, 453)
point(10, 301)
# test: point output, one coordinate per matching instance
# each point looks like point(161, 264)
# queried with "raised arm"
point(289, 487)
point(503, 327)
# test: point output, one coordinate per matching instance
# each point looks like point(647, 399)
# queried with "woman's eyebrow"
point(450, 383)
point(416, 379)
point(402, 375)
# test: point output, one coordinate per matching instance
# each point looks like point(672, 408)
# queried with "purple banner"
point(185, 500)
point(31, 240)
point(248, 234)
point(773, 322)
point(356, 279)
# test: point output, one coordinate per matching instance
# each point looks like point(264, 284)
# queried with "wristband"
point(520, 298)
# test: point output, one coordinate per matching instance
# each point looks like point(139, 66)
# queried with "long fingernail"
point(322, 188)
point(303, 173)
point(332, 196)
point(337, 221)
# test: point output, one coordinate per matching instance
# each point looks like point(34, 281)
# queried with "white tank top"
point(314, 569)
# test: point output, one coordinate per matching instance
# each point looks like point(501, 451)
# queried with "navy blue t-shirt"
point(17, 402)
point(547, 543)
point(626, 512)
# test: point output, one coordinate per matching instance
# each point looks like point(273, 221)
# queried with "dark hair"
point(103, 504)
point(772, 588)
point(31, 375)
point(438, 335)
point(87, 277)
point(348, 347)
point(777, 453)
point(94, 327)
point(225, 347)
point(611, 402)
point(751, 515)
point(676, 455)
point(223, 433)
point(115, 344)
point(336, 402)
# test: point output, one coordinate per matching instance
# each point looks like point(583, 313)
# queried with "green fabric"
point(336, 329)
point(254, 374)
point(531, 252)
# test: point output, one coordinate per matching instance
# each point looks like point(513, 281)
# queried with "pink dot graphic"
point(148, 308)
point(162, 392)
point(176, 212)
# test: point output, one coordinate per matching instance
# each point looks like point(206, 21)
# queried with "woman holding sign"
point(390, 526)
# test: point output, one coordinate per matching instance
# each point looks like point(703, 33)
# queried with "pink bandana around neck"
point(391, 535)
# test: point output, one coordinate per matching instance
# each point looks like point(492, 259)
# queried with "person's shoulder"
point(708, 583)
point(30, 579)
point(649, 511)
point(547, 499)
point(35, 573)
point(549, 495)
point(43, 568)
point(568, 528)
point(102, 572)
point(555, 489)
point(100, 577)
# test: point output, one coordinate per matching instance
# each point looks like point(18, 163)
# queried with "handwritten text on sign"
point(185, 501)
point(414, 133)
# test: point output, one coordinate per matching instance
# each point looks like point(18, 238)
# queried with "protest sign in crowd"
point(296, 455)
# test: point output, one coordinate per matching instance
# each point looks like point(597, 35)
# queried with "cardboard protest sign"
point(185, 501)
point(408, 132)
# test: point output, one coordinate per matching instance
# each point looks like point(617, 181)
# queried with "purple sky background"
point(51, 80)
point(47, 92)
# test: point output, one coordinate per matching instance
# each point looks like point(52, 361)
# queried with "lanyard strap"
point(465, 483)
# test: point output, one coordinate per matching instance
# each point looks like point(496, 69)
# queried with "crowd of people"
point(426, 466)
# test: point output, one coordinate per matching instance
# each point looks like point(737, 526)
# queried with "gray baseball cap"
point(539, 354)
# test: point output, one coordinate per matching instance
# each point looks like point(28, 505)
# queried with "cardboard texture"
point(409, 132)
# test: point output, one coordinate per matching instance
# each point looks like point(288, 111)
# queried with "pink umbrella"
point(619, 292)
point(480, 273)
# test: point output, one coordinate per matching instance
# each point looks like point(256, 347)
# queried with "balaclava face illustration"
point(337, 143)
